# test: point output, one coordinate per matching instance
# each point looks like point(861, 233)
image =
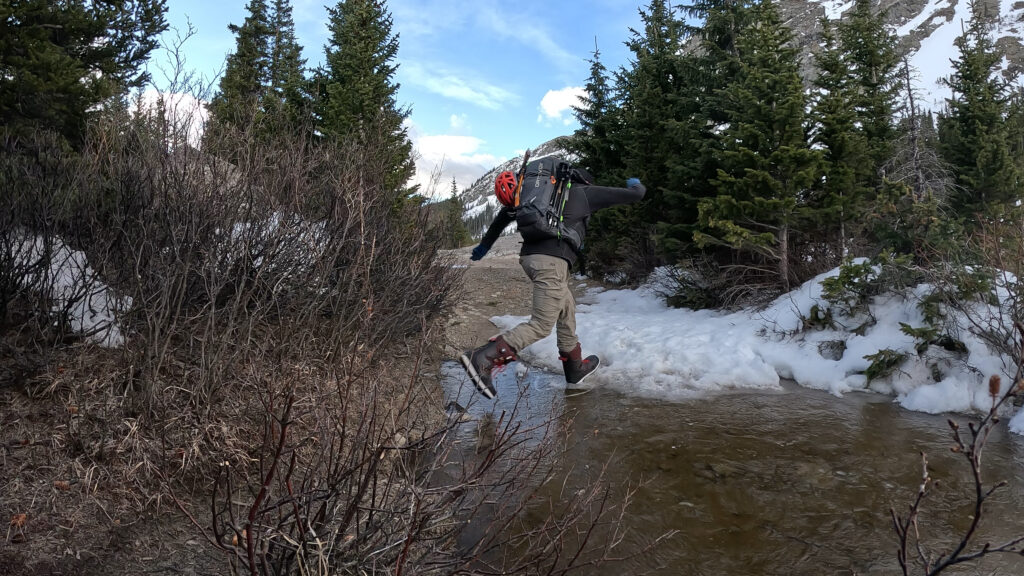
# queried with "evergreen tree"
point(709, 66)
point(916, 162)
point(973, 134)
point(61, 61)
point(639, 142)
point(453, 230)
point(356, 92)
point(288, 93)
point(838, 134)
point(768, 168)
point(715, 63)
point(871, 52)
point(596, 114)
point(907, 214)
point(648, 91)
point(1015, 128)
point(243, 88)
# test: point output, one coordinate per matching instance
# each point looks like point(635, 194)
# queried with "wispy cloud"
point(449, 85)
point(507, 21)
point(429, 17)
point(556, 105)
point(308, 11)
point(527, 28)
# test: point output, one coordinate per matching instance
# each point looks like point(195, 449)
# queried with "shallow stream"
point(761, 483)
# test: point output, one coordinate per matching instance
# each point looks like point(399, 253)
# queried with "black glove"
point(479, 251)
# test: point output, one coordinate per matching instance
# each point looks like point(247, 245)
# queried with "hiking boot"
point(481, 361)
point(576, 367)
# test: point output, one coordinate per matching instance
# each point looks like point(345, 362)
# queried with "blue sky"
point(484, 78)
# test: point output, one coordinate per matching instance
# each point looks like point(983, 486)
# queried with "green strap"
point(561, 209)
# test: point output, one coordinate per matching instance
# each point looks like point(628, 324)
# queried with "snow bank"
point(648, 349)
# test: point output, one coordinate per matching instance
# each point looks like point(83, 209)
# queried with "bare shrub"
point(277, 311)
point(341, 487)
point(913, 552)
point(980, 286)
point(703, 282)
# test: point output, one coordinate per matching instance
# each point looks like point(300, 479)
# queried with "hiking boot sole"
point(475, 377)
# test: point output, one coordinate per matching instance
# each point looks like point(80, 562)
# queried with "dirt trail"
point(493, 286)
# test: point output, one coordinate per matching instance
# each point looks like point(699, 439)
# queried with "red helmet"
point(505, 188)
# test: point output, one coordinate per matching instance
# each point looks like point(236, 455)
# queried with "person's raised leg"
point(502, 349)
point(481, 362)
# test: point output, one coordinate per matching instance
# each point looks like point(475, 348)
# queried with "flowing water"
point(789, 482)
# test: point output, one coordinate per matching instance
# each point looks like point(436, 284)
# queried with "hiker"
point(547, 261)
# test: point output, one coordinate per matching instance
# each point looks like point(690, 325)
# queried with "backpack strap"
point(563, 183)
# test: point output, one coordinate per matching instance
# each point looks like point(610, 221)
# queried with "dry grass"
point(269, 404)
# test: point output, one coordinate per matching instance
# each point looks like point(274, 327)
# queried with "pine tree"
point(638, 144)
point(972, 132)
point(288, 94)
point(648, 93)
point(838, 134)
point(1015, 128)
point(916, 163)
point(871, 52)
point(61, 62)
point(356, 91)
point(709, 66)
point(453, 230)
point(596, 115)
point(715, 62)
point(243, 88)
point(768, 169)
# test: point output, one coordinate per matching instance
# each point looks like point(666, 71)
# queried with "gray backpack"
point(546, 185)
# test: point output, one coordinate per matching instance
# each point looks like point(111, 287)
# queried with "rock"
point(832, 349)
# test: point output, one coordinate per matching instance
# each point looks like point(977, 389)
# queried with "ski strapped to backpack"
point(544, 192)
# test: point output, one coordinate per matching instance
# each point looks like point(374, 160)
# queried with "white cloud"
point(451, 86)
point(459, 122)
point(557, 105)
point(445, 156)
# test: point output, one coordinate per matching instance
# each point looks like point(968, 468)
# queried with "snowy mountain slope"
point(480, 195)
point(927, 29)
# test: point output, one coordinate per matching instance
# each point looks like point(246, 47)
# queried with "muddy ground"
point(493, 286)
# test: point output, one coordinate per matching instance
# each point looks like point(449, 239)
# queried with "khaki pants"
point(553, 304)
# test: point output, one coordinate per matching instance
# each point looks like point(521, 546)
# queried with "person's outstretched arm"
point(604, 196)
point(501, 220)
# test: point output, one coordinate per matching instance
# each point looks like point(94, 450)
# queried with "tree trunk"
point(784, 256)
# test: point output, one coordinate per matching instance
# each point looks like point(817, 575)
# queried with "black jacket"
point(583, 201)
